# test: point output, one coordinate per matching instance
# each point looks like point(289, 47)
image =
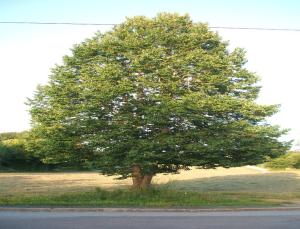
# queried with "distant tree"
point(288, 160)
point(153, 96)
point(12, 151)
point(11, 155)
point(11, 135)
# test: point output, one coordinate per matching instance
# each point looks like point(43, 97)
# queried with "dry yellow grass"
point(204, 173)
point(46, 183)
point(249, 179)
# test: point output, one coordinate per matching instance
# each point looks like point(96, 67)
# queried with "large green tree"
point(153, 96)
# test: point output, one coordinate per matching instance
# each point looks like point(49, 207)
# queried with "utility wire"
point(255, 28)
point(114, 24)
point(57, 23)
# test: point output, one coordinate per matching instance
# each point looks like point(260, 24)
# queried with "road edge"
point(74, 209)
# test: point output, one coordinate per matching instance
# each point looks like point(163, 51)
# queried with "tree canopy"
point(153, 95)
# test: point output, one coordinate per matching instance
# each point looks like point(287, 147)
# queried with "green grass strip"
point(150, 198)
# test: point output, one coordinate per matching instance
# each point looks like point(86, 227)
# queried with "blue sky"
point(27, 52)
point(227, 12)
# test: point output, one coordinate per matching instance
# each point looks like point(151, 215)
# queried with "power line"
point(57, 23)
point(256, 28)
point(114, 24)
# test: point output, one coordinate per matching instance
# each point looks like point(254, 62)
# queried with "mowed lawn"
point(242, 179)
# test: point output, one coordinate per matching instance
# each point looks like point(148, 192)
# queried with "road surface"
point(146, 220)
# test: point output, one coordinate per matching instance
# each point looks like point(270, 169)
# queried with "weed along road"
point(287, 219)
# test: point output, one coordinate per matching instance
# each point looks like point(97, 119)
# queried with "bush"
point(289, 160)
point(13, 155)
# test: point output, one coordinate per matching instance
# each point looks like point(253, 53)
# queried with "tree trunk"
point(146, 181)
point(140, 181)
point(136, 177)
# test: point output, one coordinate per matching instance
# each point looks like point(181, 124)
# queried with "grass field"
point(229, 187)
point(32, 183)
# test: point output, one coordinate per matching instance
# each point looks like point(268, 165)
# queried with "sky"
point(28, 52)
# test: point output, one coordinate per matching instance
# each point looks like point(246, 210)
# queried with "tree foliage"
point(153, 96)
point(13, 155)
point(288, 160)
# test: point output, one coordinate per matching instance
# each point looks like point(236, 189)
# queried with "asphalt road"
point(147, 220)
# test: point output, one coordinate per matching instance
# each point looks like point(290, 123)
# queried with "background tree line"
point(12, 151)
point(15, 156)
